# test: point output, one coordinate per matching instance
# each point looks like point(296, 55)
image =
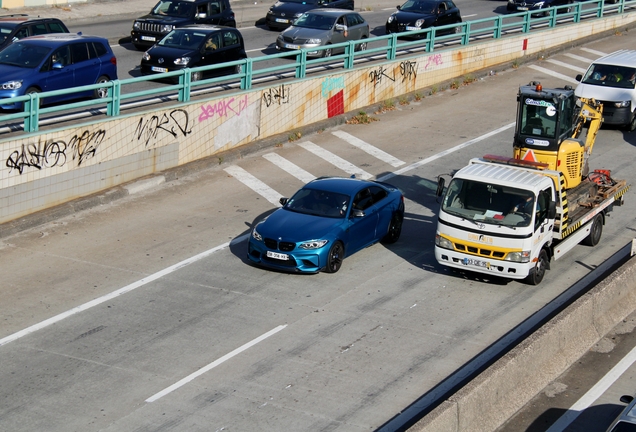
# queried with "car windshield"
point(491, 204)
point(319, 203)
point(179, 9)
point(24, 55)
point(315, 21)
point(420, 6)
point(183, 39)
point(539, 117)
point(4, 33)
point(624, 427)
point(610, 76)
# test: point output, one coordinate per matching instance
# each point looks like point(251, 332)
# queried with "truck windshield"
point(610, 76)
point(489, 203)
point(538, 118)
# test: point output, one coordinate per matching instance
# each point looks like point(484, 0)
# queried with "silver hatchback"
point(321, 27)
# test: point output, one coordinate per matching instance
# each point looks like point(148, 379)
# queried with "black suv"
point(18, 26)
point(169, 14)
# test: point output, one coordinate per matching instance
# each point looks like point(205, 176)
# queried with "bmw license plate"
point(412, 28)
point(158, 69)
point(277, 255)
point(476, 263)
point(149, 38)
point(290, 46)
point(282, 20)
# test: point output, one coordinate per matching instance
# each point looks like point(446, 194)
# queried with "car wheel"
point(196, 76)
point(238, 69)
point(362, 46)
point(541, 266)
point(457, 29)
point(631, 126)
point(102, 92)
point(595, 232)
point(32, 90)
point(335, 257)
point(327, 52)
point(395, 228)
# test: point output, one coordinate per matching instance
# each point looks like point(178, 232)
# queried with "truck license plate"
point(277, 255)
point(476, 263)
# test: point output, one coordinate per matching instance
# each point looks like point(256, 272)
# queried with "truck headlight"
point(314, 244)
point(622, 104)
point(443, 242)
point(520, 257)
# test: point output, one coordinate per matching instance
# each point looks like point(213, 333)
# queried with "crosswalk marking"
point(290, 167)
point(554, 74)
point(593, 51)
point(567, 65)
point(253, 183)
point(579, 58)
point(372, 150)
point(335, 160)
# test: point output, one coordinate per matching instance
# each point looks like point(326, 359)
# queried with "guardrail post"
point(246, 79)
point(430, 44)
point(498, 27)
point(32, 106)
point(465, 32)
point(526, 22)
point(621, 6)
point(599, 8)
point(577, 10)
point(114, 94)
point(301, 64)
point(184, 85)
point(391, 51)
point(350, 53)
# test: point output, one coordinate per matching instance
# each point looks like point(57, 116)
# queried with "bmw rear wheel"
point(102, 92)
point(335, 257)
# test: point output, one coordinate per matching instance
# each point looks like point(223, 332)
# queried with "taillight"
point(113, 60)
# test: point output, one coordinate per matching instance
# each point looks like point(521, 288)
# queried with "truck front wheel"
point(595, 232)
point(543, 262)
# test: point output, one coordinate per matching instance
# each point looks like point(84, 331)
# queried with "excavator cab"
point(549, 127)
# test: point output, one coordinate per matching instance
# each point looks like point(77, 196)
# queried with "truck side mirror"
point(579, 77)
point(440, 186)
point(552, 210)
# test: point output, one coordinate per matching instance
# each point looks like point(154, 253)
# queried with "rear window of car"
point(100, 49)
point(230, 38)
point(56, 27)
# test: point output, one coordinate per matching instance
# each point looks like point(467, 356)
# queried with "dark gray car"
point(320, 27)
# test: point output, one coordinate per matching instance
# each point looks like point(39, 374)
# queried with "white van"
point(611, 81)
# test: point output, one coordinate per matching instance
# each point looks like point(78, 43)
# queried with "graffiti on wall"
point(223, 108)
point(176, 123)
point(329, 84)
point(408, 70)
point(55, 152)
point(276, 95)
point(379, 74)
point(434, 60)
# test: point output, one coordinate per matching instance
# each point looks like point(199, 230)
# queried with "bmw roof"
point(340, 184)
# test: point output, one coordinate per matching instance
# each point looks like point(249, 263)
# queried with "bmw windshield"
point(24, 55)
point(319, 203)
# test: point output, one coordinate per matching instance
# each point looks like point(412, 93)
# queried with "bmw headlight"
point(314, 244)
point(443, 242)
point(12, 85)
point(419, 23)
point(256, 235)
point(622, 104)
point(182, 61)
point(166, 28)
point(146, 56)
point(520, 257)
point(390, 20)
point(314, 41)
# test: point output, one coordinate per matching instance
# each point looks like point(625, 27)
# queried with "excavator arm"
point(590, 114)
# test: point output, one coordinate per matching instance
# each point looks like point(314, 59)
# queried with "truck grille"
point(479, 251)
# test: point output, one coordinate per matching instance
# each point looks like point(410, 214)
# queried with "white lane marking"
point(373, 151)
point(117, 293)
point(554, 74)
point(594, 393)
point(593, 51)
point(253, 183)
point(444, 153)
point(567, 65)
point(388, 9)
point(202, 255)
point(335, 160)
point(579, 58)
point(214, 364)
point(257, 49)
point(290, 167)
point(468, 16)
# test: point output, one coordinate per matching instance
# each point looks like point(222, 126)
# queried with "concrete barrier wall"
point(46, 169)
point(499, 392)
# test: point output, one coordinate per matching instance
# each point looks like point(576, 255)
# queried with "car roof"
point(53, 39)
point(339, 184)
point(14, 20)
point(205, 27)
point(619, 58)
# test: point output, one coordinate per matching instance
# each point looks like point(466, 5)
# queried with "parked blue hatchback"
point(324, 222)
point(53, 62)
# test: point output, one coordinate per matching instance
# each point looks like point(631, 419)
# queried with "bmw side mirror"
point(283, 201)
point(357, 213)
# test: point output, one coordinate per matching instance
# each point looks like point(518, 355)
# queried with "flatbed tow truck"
point(510, 216)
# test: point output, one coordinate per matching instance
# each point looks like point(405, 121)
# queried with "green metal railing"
point(384, 47)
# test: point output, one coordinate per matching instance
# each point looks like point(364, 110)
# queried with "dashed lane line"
point(368, 148)
point(333, 159)
point(290, 167)
point(593, 51)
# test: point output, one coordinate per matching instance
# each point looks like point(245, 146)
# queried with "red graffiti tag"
point(223, 108)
